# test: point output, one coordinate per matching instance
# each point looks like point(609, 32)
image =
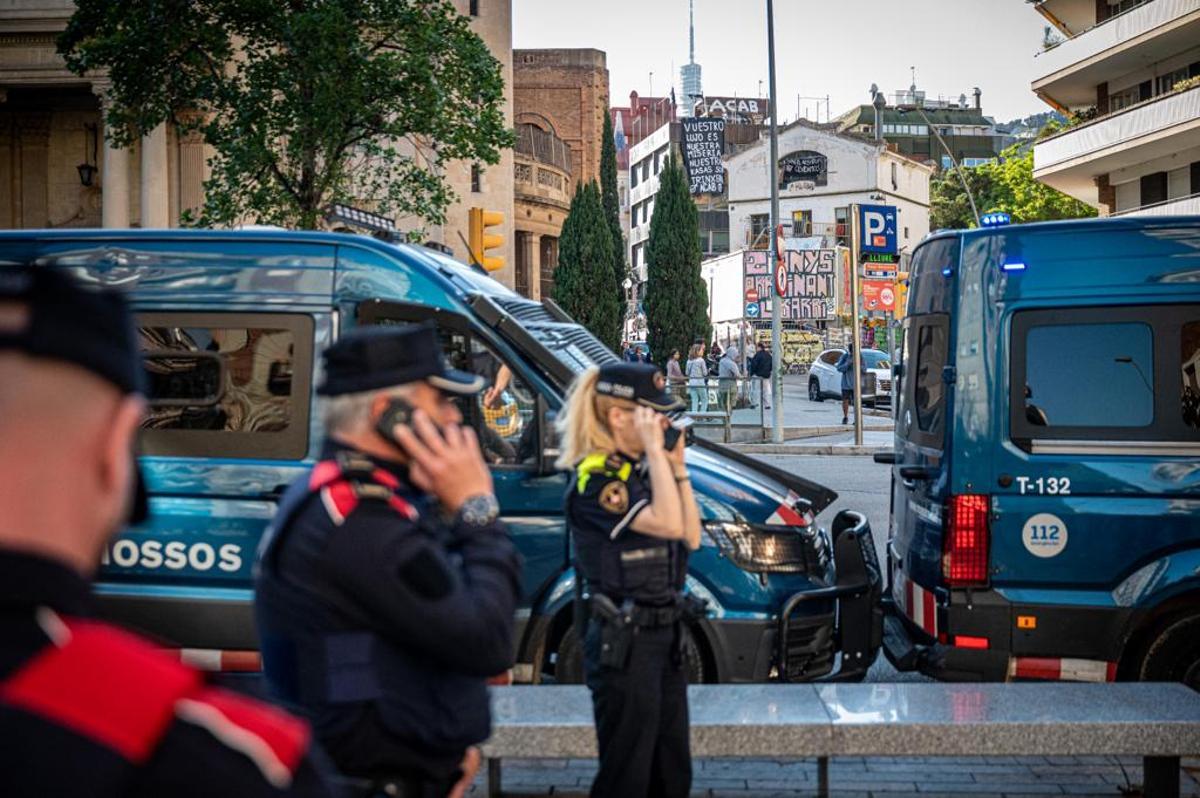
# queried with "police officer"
point(386, 587)
point(85, 708)
point(633, 520)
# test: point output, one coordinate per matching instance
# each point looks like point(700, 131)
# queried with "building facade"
point(837, 170)
point(57, 168)
point(912, 123)
point(1130, 73)
point(560, 98)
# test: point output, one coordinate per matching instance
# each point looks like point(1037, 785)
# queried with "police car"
point(1045, 517)
point(231, 324)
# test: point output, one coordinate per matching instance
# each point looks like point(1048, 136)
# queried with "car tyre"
point(1173, 654)
point(568, 660)
point(814, 390)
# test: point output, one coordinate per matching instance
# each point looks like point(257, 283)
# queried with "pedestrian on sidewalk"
point(728, 374)
point(634, 520)
point(675, 378)
point(697, 372)
point(845, 365)
point(761, 366)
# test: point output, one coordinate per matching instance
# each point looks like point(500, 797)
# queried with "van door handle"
point(885, 458)
point(916, 473)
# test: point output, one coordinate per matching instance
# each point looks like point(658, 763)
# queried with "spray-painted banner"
point(810, 282)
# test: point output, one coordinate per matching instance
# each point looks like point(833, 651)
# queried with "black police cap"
point(642, 383)
point(47, 313)
point(372, 358)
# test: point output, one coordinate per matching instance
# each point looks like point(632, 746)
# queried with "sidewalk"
point(840, 443)
point(875, 777)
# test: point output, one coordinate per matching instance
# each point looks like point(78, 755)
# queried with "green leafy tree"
point(305, 103)
point(612, 203)
point(676, 296)
point(1004, 185)
point(585, 282)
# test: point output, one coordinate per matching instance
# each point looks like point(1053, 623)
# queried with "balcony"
point(541, 168)
point(1071, 160)
point(1182, 206)
point(1070, 72)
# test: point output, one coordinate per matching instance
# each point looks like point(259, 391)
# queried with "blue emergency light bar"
point(1013, 267)
point(995, 219)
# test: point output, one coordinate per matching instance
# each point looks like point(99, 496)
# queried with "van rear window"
point(226, 384)
point(1111, 376)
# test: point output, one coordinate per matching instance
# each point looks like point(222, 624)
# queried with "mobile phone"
point(679, 425)
point(396, 413)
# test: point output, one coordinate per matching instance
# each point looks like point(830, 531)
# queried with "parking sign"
point(877, 224)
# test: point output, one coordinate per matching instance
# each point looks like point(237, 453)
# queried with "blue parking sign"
point(877, 226)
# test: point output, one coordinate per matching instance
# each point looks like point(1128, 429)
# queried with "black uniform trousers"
point(641, 717)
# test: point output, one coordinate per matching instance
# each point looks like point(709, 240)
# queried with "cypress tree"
point(585, 283)
point(676, 296)
point(612, 204)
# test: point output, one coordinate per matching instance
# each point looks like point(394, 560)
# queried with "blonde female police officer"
point(633, 520)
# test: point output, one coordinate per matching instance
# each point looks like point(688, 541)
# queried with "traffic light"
point(482, 241)
point(901, 295)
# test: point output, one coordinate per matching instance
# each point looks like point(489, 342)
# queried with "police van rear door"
point(921, 473)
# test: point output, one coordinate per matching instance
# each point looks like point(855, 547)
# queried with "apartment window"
point(476, 178)
point(635, 256)
point(1154, 188)
point(646, 169)
point(474, 8)
point(657, 162)
point(633, 176)
point(841, 218)
point(1196, 177)
point(802, 223)
point(720, 241)
point(1165, 83)
point(760, 225)
point(1114, 7)
point(895, 177)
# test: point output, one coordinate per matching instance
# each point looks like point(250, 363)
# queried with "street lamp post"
point(776, 303)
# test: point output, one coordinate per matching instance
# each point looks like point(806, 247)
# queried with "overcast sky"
point(823, 47)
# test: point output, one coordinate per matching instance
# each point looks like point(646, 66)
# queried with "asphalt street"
point(862, 485)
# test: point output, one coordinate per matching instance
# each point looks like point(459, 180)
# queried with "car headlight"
point(761, 548)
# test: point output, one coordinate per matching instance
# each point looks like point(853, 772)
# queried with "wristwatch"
point(479, 510)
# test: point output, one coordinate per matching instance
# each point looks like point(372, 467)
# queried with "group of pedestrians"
point(386, 586)
point(725, 367)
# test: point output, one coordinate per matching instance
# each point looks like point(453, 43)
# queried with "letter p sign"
point(878, 226)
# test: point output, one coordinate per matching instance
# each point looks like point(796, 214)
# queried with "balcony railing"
point(1120, 128)
point(831, 232)
point(544, 147)
point(1111, 33)
point(1180, 206)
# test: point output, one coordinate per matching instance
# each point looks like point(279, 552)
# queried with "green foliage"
point(612, 203)
point(676, 296)
point(586, 284)
point(1005, 185)
point(306, 103)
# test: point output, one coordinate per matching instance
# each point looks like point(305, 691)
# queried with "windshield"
point(475, 281)
point(876, 359)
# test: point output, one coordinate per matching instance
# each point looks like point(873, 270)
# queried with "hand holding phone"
point(447, 462)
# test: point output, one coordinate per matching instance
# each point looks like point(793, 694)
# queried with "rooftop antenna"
point(913, 71)
point(691, 31)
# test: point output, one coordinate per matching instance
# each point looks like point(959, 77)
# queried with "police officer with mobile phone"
point(386, 587)
point(633, 520)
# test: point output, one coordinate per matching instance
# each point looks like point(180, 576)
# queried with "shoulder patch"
point(271, 738)
point(104, 684)
point(614, 497)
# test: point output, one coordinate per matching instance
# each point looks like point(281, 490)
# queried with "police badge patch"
point(614, 497)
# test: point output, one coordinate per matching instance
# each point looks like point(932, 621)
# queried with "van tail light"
point(965, 544)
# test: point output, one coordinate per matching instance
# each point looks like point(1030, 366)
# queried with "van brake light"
point(965, 545)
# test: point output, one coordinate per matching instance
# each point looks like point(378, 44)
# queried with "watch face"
point(480, 510)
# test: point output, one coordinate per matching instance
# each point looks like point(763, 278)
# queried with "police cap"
point(372, 358)
point(47, 313)
point(642, 383)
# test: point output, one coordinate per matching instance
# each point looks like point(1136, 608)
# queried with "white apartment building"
point(1131, 68)
point(839, 170)
point(646, 160)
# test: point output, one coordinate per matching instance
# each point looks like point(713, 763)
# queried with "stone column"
point(535, 266)
point(155, 203)
point(193, 169)
point(114, 174)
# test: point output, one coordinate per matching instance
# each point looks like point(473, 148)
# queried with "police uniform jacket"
point(608, 493)
point(378, 618)
point(89, 710)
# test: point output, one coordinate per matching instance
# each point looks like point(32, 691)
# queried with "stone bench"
point(1160, 722)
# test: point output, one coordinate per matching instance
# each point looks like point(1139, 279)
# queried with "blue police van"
point(231, 326)
point(1045, 518)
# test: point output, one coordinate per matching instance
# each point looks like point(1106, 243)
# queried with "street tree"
point(612, 203)
point(305, 103)
point(1006, 184)
point(586, 284)
point(676, 296)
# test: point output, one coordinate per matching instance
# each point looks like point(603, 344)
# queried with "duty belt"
point(634, 614)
